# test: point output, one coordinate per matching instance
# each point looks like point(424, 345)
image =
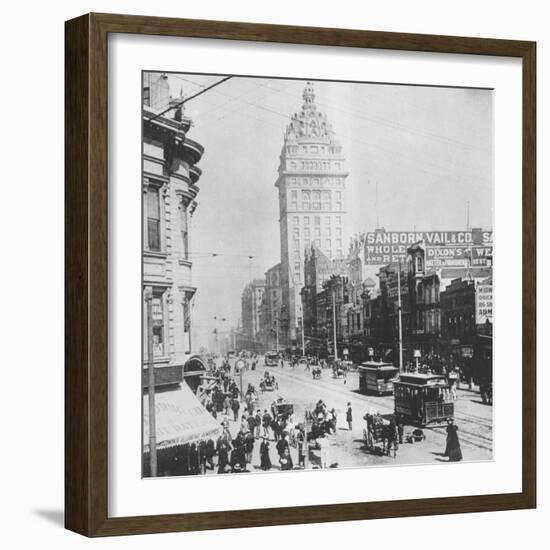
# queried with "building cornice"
point(155, 254)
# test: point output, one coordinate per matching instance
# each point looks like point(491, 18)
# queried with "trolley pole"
point(151, 386)
point(303, 337)
point(399, 318)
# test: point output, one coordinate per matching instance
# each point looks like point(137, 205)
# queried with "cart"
point(375, 433)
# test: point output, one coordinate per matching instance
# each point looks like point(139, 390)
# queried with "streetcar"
point(423, 399)
point(377, 377)
point(271, 359)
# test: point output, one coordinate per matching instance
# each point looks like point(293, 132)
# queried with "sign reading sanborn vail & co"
point(443, 248)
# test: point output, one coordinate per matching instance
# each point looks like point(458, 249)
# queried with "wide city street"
point(347, 449)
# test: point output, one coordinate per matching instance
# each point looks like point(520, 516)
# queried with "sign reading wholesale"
point(448, 248)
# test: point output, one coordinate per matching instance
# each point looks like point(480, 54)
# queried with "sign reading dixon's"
point(443, 248)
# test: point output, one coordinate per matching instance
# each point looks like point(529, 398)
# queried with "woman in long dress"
point(452, 450)
point(265, 460)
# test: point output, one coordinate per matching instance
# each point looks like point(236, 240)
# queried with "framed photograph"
point(300, 275)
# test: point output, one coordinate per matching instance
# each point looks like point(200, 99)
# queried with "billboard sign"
point(447, 256)
point(484, 303)
point(449, 248)
point(482, 256)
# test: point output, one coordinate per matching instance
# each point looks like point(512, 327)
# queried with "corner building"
point(169, 185)
point(312, 203)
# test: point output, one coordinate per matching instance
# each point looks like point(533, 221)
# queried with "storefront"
point(183, 425)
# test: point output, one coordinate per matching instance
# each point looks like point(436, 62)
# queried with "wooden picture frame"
point(86, 279)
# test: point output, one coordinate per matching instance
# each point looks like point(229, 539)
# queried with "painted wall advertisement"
point(484, 303)
point(443, 248)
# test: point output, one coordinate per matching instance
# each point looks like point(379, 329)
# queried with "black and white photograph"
point(317, 274)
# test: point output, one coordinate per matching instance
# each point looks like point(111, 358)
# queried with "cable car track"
point(467, 437)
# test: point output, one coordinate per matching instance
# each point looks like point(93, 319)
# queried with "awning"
point(180, 418)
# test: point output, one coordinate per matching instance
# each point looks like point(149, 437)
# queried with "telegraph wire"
point(185, 100)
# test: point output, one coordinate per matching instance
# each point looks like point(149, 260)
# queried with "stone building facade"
point(251, 315)
point(312, 202)
point(271, 307)
point(170, 177)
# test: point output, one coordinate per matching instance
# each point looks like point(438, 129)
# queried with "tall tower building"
point(312, 202)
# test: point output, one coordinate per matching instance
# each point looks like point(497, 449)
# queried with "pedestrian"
point(302, 447)
point(226, 430)
point(333, 420)
point(251, 423)
point(238, 461)
point(391, 438)
point(266, 423)
point(453, 391)
point(258, 424)
point(452, 449)
point(243, 429)
point(349, 417)
point(322, 443)
point(226, 405)
point(400, 427)
point(249, 447)
point(276, 429)
point(282, 444)
point(285, 460)
point(222, 450)
point(235, 406)
point(209, 452)
point(291, 427)
point(265, 460)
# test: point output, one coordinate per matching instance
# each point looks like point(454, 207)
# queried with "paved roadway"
point(473, 418)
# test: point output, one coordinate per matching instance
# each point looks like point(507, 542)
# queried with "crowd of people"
point(283, 442)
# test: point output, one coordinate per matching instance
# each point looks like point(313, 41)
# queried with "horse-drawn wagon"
point(268, 383)
point(380, 434)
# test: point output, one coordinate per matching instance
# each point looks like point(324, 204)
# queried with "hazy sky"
point(428, 150)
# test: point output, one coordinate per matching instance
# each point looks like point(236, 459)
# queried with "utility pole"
point(377, 211)
point(399, 318)
point(303, 337)
point(334, 324)
point(148, 295)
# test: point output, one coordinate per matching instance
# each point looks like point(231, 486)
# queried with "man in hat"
point(349, 416)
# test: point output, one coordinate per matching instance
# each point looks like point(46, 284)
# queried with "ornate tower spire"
point(309, 97)
point(312, 206)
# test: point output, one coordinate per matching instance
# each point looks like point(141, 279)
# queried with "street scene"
point(317, 275)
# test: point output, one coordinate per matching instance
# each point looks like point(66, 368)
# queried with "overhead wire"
point(414, 161)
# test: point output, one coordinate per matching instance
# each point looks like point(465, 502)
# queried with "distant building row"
point(445, 313)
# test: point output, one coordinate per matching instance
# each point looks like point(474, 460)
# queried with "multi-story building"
point(424, 289)
point(312, 201)
point(394, 284)
point(271, 307)
point(251, 314)
point(170, 178)
point(458, 301)
point(318, 268)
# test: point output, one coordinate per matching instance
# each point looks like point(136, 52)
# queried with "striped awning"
point(180, 418)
